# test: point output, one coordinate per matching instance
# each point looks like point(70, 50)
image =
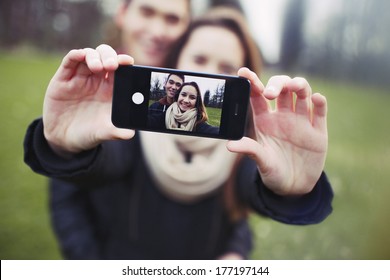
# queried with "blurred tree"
point(353, 44)
point(206, 98)
point(157, 89)
point(292, 37)
point(49, 24)
point(366, 33)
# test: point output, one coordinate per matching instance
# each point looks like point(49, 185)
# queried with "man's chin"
point(154, 58)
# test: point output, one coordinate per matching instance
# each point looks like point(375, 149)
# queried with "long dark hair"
point(233, 21)
point(230, 20)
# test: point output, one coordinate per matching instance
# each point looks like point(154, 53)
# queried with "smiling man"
point(149, 28)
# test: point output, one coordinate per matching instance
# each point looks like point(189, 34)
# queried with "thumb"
point(123, 134)
point(115, 133)
point(251, 148)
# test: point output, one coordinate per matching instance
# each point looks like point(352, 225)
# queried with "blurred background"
point(340, 46)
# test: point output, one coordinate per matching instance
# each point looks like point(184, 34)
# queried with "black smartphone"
point(180, 102)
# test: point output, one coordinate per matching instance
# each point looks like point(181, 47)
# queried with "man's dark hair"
point(181, 76)
point(230, 3)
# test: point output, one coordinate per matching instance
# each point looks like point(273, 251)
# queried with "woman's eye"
point(228, 69)
point(200, 60)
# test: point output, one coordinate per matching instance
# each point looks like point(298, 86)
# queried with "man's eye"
point(172, 19)
point(147, 12)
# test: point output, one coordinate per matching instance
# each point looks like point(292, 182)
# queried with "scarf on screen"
point(176, 119)
point(186, 168)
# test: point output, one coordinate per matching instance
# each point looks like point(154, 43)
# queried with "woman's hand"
point(77, 105)
point(291, 139)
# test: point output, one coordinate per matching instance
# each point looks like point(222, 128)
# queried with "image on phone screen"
point(180, 102)
point(185, 102)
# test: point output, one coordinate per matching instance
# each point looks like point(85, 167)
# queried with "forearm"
point(310, 208)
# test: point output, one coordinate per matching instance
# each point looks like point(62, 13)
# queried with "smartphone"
point(140, 102)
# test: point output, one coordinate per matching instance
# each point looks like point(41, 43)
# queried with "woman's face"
point(214, 50)
point(187, 98)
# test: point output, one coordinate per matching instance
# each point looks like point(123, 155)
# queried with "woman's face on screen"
point(187, 98)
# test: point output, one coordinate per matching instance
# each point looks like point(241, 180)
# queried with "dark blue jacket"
point(106, 206)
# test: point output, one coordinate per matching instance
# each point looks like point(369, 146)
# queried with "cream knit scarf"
point(177, 177)
point(175, 119)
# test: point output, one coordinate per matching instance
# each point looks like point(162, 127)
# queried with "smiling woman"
point(188, 111)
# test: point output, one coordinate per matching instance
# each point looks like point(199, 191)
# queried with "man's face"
point(150, 27)
point(172, 85)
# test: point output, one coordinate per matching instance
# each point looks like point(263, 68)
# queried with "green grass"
point(24, 225)
point(358, 166)
point(214, 115)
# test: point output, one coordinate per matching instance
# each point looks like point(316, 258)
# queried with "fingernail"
point(270, 89)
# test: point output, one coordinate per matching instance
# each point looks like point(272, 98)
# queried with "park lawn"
point(214, 115)
point(25, 224)
point(358, 166)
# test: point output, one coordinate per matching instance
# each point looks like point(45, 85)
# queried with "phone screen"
point(210, 99)
point(173, 101)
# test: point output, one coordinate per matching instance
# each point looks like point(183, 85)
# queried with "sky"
point(265, 18)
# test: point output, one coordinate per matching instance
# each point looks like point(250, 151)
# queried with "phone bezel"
point(130, 79)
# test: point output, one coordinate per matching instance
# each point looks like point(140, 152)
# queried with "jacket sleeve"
point(72, 222)
point(240, 241)
point(72, 216)
point(89, 166)
point(310, 208)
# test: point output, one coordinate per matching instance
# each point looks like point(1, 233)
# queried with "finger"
point(303, 91)
point(124, 59)
point(250, 148)
point(275, 86)
point(93, 60)
point(123, 134)
point(114, 133)
point(320, 111)
point(258, 102)
point(277, 89)
point(108, 57)
point(70, 63)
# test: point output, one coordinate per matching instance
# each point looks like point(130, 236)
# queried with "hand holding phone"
point(180, 102)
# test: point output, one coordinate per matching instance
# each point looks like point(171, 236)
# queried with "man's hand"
point(77, 105)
